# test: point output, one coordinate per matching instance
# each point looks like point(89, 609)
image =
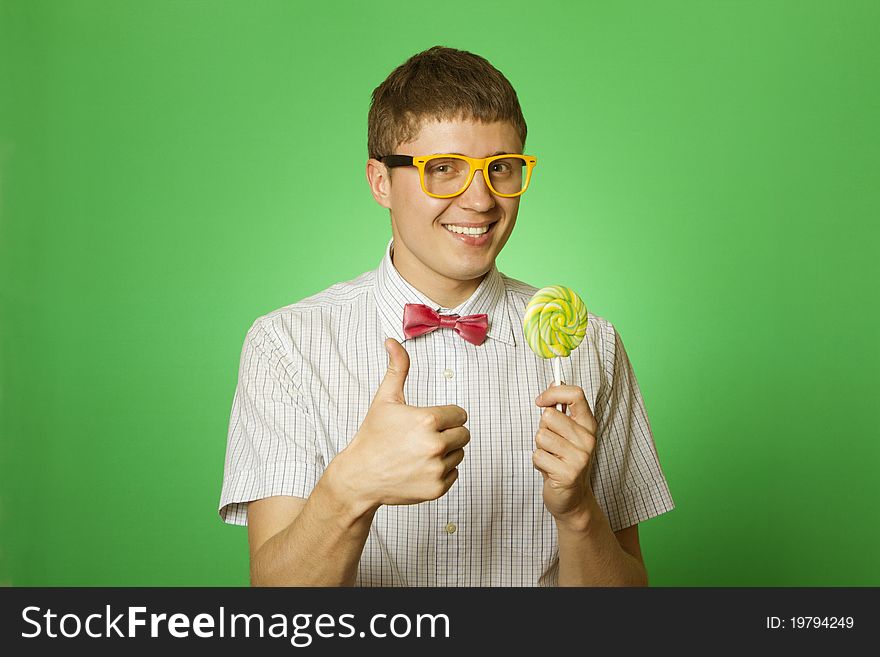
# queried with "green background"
point(707, 179)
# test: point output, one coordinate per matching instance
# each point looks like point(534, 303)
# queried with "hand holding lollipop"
point(555, 323)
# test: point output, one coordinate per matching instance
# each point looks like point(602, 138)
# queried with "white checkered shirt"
point(307, 376)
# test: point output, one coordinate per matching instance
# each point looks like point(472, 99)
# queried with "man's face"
point(425, 250)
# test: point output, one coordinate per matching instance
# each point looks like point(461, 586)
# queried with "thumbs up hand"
point(403, 454)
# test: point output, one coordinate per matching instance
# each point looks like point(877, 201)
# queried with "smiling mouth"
point(474, 230)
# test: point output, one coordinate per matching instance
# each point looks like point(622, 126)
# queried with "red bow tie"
point(419, 319)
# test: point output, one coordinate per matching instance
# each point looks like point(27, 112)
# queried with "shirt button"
point(448, 373)
point(450, 528)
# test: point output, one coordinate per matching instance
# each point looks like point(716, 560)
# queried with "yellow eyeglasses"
point(448, 175)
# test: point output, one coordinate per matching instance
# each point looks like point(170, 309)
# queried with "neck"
point(445, 292)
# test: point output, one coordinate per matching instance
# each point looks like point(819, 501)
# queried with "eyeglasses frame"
point(475, 163)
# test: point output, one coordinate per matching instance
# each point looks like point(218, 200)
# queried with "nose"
point(477, 196)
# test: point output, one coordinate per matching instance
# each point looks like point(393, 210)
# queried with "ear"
point(379, 177)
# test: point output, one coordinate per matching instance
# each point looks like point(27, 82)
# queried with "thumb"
point(391, 388)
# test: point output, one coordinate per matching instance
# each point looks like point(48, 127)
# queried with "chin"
point(468, 271)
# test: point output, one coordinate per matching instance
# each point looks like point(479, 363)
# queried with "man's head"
point(444, 101)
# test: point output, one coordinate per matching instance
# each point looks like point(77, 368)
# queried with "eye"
point(443, 168)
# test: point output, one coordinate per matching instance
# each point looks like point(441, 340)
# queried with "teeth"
point(463, 230)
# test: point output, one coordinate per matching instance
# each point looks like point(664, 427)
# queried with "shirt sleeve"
point(272, 442)
point(627, 480)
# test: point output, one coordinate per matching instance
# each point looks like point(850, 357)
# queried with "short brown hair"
point(439, 83)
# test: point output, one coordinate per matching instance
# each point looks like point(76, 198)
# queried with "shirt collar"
point(393, 292)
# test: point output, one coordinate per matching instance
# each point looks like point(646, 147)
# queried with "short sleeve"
point(627, 479)
point(271, 446)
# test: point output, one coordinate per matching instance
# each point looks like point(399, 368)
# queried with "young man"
point(389, 430)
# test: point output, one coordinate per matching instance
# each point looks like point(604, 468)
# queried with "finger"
point(543, 474)
point(577, 403)
point(449, 416)
point(391, 387)
point(450, 479)
point(452, 459)
point(560, 447)
point(455, 438)
point(548, 464)
point(568, 428)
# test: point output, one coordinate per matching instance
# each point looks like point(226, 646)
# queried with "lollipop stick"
point(557, 380)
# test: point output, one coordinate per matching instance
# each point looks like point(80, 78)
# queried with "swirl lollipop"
point(555, 323)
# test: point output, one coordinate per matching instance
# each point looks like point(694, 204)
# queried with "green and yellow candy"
point(555, 322)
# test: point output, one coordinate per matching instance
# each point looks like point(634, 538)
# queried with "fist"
point(564, 449)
